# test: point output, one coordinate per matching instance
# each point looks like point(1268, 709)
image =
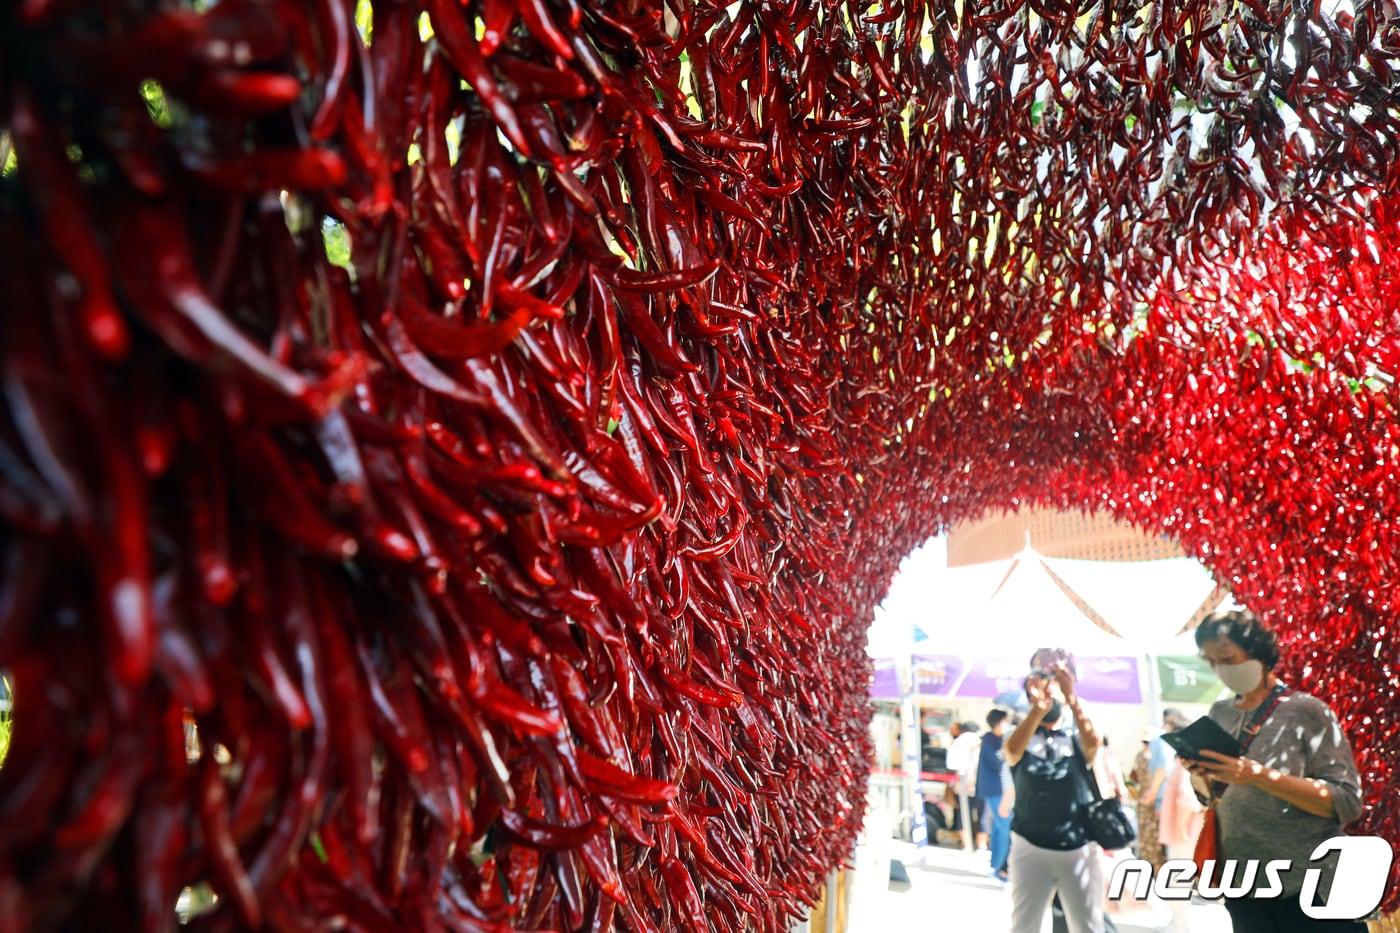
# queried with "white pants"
point(1037, 874)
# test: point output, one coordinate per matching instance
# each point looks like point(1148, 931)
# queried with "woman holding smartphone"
point(1296, 785)
point(1050, 848)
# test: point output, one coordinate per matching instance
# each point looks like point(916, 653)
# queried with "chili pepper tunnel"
point(451, 450)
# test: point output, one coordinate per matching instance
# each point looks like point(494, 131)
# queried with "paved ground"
point(952, 892)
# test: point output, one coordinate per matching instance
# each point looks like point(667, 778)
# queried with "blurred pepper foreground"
point(492, 423)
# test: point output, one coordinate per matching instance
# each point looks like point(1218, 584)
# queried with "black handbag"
point(1105, 821)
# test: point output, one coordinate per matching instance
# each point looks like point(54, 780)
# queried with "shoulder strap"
point(1085, 769)
point(1255, 723)
point(1252, 726)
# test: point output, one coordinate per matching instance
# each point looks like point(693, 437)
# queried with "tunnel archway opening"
point(946, 653)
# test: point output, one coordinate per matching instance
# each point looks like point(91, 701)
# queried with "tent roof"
point(1027, 609)
point(1021, 604)
point(1148, 602)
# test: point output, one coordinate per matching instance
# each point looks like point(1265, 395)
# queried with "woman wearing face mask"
point(1296, 785)
point(1050, 849)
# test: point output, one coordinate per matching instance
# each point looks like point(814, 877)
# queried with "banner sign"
point(1101, 679)
point(885, 685)
point(1186, 678)
point(936, 674)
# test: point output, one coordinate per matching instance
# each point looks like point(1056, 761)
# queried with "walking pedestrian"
point(991, 789)
point(1161, 757)
point(1148, 848)
point(962, 760)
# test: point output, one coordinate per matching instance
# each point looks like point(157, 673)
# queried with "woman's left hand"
point(1223, 768)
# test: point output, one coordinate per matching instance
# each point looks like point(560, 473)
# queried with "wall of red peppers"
point(494, 422)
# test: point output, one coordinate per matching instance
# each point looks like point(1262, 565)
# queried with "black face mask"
point(1052, 716)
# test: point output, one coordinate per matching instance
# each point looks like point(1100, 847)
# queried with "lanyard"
point(1250, 728)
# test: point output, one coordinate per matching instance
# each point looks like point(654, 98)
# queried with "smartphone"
point(1205, 734)
point(1047, 660)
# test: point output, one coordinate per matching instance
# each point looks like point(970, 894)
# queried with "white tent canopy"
point(1028, 607)
point(982, 622)
point(1015, 606)
point(1147, 602)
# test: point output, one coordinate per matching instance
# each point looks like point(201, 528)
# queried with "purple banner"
point(1101, 679)
point(937, 674)
point(1109, 680)
point(885, 686)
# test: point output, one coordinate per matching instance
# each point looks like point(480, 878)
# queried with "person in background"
point(962, 760)
point(930, 750)
point(1139, 764)
point(1050, 849)
point(1147, 846)
point(991, 768)
point(935, 821)
point(1161, 756)
point(1179, 823)
point(1294, 788)
point(1108, 773)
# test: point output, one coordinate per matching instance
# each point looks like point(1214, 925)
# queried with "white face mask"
point(1241, 678)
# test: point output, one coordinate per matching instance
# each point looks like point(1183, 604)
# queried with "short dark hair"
point(995, 718)
point(969, 726)
point(1244, 629)
point(1175, 718)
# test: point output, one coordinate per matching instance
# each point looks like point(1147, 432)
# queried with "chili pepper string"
point(492, 424)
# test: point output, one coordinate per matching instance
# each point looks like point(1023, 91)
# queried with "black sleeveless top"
point(1052, 792)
